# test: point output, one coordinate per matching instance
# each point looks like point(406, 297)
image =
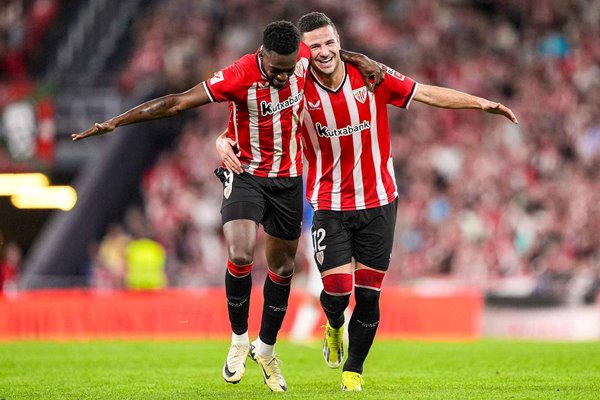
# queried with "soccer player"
point(265, 95)
point(351, 185)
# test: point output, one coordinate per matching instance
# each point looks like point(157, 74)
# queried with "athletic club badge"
point(299, 71)
point(360, 94)
point(319, 256)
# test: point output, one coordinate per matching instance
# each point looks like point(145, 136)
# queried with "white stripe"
point(277, 141)
point(293, 150)
point(335, 147)
point(412, 95)
point(253, 116)
point(312, 139)
point(359, 192)
point(234, 118)
point(390, 168)
point(368, 287)
point(207, 92)
point(381, 194)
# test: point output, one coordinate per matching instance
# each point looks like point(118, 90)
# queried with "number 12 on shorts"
point(317, 237)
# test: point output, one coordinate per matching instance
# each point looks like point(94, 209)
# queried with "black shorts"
point(276, 203)
point(365, 235)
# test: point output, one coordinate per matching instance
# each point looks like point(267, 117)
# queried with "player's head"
point(281, 42)
point(320, 35)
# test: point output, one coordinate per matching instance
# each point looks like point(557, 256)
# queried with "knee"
point(282, 263)
point(366, 297)
point(285, 269)
point(240, 255)
point(334, 304)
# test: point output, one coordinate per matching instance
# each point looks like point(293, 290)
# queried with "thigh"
point(280, 254)
point(332, 242)
point(240, 236)
point(374, 238)
point(242, 197)
point(283, 212)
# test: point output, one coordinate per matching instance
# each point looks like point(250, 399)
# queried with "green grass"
point(394, 370)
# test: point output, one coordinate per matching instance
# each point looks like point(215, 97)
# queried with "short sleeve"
point(225, 85)
point(400, 88)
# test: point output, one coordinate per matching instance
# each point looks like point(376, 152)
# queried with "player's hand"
point(372, 72)
point(501, 109)
point(96, 130)
point(226, 147)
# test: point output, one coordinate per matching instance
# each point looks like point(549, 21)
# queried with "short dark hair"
point(282, 37)
point(314, 20)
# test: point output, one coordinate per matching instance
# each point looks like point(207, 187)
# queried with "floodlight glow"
point(11, 183)
point(49, 197)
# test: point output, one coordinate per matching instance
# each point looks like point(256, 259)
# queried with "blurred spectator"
point(145, 265)
point(22, 26)
point(110, 261)
point(10, 260)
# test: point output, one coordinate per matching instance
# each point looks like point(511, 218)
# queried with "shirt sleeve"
point(225, 84)
point(400, 88)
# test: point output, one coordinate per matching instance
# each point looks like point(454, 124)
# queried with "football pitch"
point(394, 370)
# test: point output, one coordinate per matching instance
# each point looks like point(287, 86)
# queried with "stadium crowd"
point(482, 202)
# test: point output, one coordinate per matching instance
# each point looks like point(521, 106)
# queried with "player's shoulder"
point(304, 52)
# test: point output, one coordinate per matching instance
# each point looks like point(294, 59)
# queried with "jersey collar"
point(321, 84)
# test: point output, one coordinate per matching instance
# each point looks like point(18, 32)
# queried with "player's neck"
point(331, 81)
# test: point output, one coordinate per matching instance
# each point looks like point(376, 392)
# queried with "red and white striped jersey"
point(263, 120)
point(346, 140)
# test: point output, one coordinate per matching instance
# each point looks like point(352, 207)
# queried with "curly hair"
point(314, 20)
point(281, 37)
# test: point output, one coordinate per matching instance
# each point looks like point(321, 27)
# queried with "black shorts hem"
point(377, 267)
point(234, 211)
point(284, 237)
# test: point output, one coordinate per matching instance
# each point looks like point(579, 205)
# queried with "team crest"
point(299, 71)
point(217, 77)
point(320, 256)
point(360, 94)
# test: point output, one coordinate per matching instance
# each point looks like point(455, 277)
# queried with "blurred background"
point(509, 212)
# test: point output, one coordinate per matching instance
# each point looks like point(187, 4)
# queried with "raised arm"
point(372, 71)
point(161, 107)
point(449, 98)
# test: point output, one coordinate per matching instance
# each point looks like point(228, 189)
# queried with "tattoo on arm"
point(155, 108)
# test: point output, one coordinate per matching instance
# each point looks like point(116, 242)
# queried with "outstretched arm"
point(161, 107)
point(449, 98)
point(372, 72)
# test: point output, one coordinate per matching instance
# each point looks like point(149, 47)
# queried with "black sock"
point(238, 291)
point(362, 328)
point(334, 307)
point(274, 308)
